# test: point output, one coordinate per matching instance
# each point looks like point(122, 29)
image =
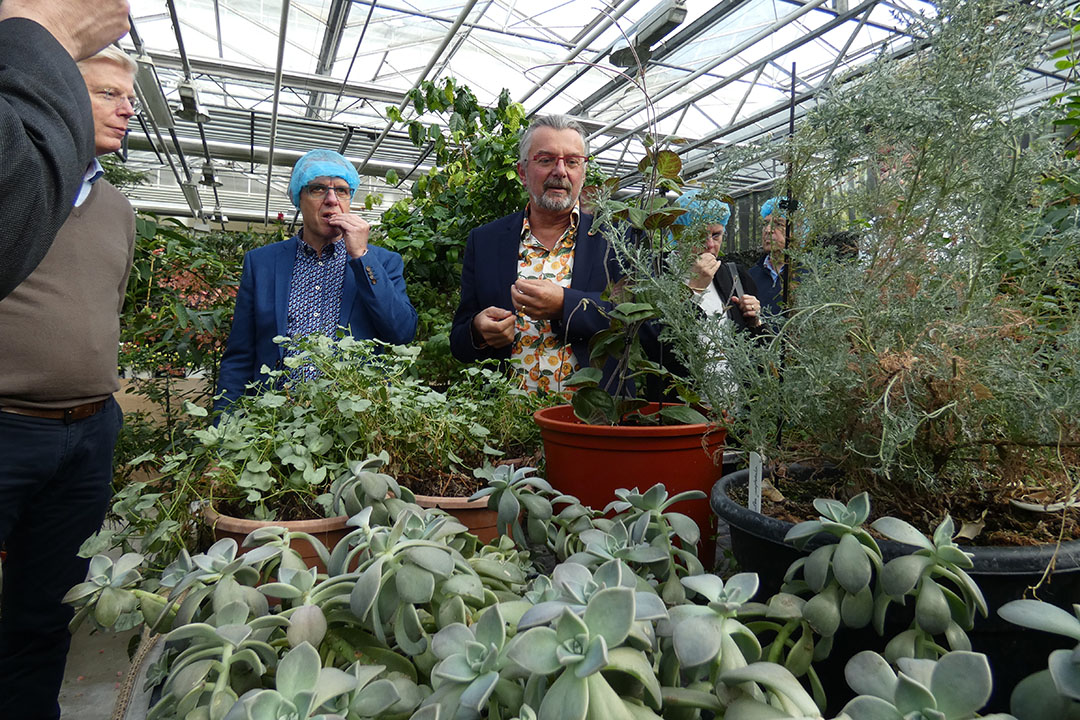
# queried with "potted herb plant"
point(281, 453)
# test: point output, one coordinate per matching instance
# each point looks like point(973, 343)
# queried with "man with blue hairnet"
point(325, 277)
point(768, 271)
point(716, 292)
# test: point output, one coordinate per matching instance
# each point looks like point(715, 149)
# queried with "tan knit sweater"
point(60, 329)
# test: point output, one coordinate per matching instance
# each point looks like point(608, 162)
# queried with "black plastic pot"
point(1002, 573)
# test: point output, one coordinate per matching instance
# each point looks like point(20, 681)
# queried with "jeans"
point(55, 486)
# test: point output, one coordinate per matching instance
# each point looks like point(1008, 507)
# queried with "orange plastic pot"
point(473, 514)
point(592, 461)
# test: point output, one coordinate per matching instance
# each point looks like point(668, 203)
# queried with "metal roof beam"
point(265, 76)
point(331, 43)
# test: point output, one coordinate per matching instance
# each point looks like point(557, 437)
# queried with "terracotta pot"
point(329, 531)
point(592, 461)
point(473, 514)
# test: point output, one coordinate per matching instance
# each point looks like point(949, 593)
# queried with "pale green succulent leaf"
point(331, 683)
point(932, 608)
point(610, 614)
point(596, 658)
point(479, 690)
point(566, 699)
point(535, 650)
point(414, 584)
point(1039, 615)
point(777, 679)
point(866, 707)
point(298, 671)
point(374, 699)
point(867, 673)
point(961, 683)
point(816, 569)
point(433, 559)
point(912, 696)
point(637, 665)
point(901, 574)
point(850, 564)
point(901, 531)
point(1065, 670)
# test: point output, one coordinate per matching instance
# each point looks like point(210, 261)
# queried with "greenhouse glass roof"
point(272, 79)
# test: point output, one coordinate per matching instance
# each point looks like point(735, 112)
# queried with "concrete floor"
point(96, 668)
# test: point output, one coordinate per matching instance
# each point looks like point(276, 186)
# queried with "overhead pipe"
point(277, 102)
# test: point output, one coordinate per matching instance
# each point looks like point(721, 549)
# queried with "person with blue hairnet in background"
point(714, 286)
point(325, 277)
point(768, 271)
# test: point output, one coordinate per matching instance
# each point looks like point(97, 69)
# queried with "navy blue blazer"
point(373, 305)
point(490, 268)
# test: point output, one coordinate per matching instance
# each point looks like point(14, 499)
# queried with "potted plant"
point(282, 453)
point(642, 421)
point(930, 367)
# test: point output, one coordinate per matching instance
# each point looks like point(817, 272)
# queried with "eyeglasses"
point(717, 236)
point(118, 99)
point(547, 161)
point(319, 191)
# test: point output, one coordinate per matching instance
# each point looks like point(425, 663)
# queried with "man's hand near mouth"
point(354, 229)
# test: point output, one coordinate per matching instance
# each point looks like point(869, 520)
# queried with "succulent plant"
point(946, 598)
point(515, 493)
point(954, 687)
point(1052, 693)
point(838, 574)
point(576, 650)
point(302, 687)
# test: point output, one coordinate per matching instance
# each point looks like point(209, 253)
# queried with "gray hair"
point(555, 122)
point(112, 54)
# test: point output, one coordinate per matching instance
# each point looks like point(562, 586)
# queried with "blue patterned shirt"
point(315, 294)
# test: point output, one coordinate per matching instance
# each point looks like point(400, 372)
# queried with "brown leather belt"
point(68, 415)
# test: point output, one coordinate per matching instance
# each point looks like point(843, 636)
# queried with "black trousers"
point(55, 486)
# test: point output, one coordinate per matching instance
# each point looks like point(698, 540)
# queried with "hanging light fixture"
point(153, 99)
point(660, 21)
point(190, 108)
point(209, 179)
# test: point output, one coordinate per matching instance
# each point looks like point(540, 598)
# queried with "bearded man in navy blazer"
point(325, 277)
point(531, 282)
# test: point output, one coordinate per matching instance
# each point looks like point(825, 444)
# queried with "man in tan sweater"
point(59, 334)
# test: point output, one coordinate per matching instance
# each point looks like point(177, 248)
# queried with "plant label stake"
point(753, 500)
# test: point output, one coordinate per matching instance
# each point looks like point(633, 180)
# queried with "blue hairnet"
point(771, 205)
point(321, 163)
point(709, 211)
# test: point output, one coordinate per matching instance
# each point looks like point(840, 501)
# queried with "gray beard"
point(555, 204)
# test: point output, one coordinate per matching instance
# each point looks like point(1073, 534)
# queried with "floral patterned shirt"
point(537, 353)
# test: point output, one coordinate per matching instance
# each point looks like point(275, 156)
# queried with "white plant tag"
point(753, 501)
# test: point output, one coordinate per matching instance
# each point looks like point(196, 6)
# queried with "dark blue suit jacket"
point(373, 305)
point(490, 268)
